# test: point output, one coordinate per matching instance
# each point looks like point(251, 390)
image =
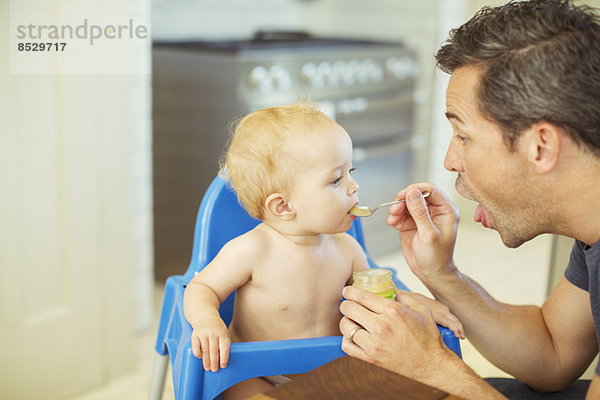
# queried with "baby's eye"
point(336, 180)
point(352, 169)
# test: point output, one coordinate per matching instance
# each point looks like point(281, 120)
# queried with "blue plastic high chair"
point(220, 219)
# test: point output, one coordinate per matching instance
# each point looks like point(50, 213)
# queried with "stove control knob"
point(321, 77)
point(308, 71)
point(336, 74)
point(258, 76)
point(370, 71)
point(365, 68)
point(402, 68)
point(280, 77)
point(351, 72)
point(338, 68)
point(324, 69)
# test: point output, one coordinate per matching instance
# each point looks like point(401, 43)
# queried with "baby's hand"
point(211, 342)
point(441, 313)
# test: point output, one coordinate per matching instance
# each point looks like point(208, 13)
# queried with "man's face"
point(488, 172)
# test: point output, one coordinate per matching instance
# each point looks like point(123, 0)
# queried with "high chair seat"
point(220, 219)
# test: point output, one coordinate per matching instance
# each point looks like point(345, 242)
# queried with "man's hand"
point(440, 312)
point(427, 229)
point(397, 335)
point(401, 336)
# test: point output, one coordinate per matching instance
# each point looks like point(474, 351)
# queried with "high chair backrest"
point(222, 218)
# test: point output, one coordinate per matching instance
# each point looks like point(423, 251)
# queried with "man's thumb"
point(418, 210)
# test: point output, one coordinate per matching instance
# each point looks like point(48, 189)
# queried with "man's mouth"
point(463, 189)
point(480, 216)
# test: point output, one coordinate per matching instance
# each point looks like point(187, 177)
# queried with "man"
point(524, 103)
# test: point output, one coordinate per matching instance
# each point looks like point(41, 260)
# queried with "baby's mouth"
point(350, 209)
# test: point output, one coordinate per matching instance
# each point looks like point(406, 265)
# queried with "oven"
point(199, 88)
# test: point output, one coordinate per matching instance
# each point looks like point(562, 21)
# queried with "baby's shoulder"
point(348, 246)
point(250, 244)
point(345, 240)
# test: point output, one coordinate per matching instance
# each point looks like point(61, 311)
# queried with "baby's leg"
point(247, 389)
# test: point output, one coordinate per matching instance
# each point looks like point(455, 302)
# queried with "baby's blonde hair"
point(257, 161)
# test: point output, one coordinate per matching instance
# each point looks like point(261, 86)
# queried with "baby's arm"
point(441, 313)
point(210, 337)
point(203, 295)
point(359, 258)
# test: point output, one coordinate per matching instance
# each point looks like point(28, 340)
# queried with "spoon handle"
point(391, 202)
point(426, 194)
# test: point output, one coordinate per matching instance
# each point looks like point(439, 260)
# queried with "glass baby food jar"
point(376, 280)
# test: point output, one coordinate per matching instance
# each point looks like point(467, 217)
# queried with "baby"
point(291, 168)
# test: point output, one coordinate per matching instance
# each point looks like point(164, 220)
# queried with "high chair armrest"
point(285, 357)
point(276, 357)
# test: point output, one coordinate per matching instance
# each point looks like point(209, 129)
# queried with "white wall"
point(75, 201)
point(125, 66)
point(140, 114)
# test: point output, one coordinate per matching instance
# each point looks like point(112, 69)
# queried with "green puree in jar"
point(376, 280)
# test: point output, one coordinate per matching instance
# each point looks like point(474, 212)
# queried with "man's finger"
point(411, 302)
point(347, 326)
point(415, 202)
point(352, 349)
point(407, 298)
point(365, 298)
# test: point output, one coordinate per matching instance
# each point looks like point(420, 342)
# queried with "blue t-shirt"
point(583, 271)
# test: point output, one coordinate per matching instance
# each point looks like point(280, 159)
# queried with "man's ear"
point(277, 205)
point(544, 143)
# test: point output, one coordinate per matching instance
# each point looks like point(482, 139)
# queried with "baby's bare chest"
point(298, 284)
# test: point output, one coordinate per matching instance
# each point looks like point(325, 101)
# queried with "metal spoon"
point(368, 211)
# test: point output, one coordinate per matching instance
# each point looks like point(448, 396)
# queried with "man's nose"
point(452, 161)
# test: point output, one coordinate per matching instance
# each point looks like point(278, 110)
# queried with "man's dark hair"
point(540, 62)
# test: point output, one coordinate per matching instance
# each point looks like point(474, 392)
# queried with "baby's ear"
point(276, 205)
